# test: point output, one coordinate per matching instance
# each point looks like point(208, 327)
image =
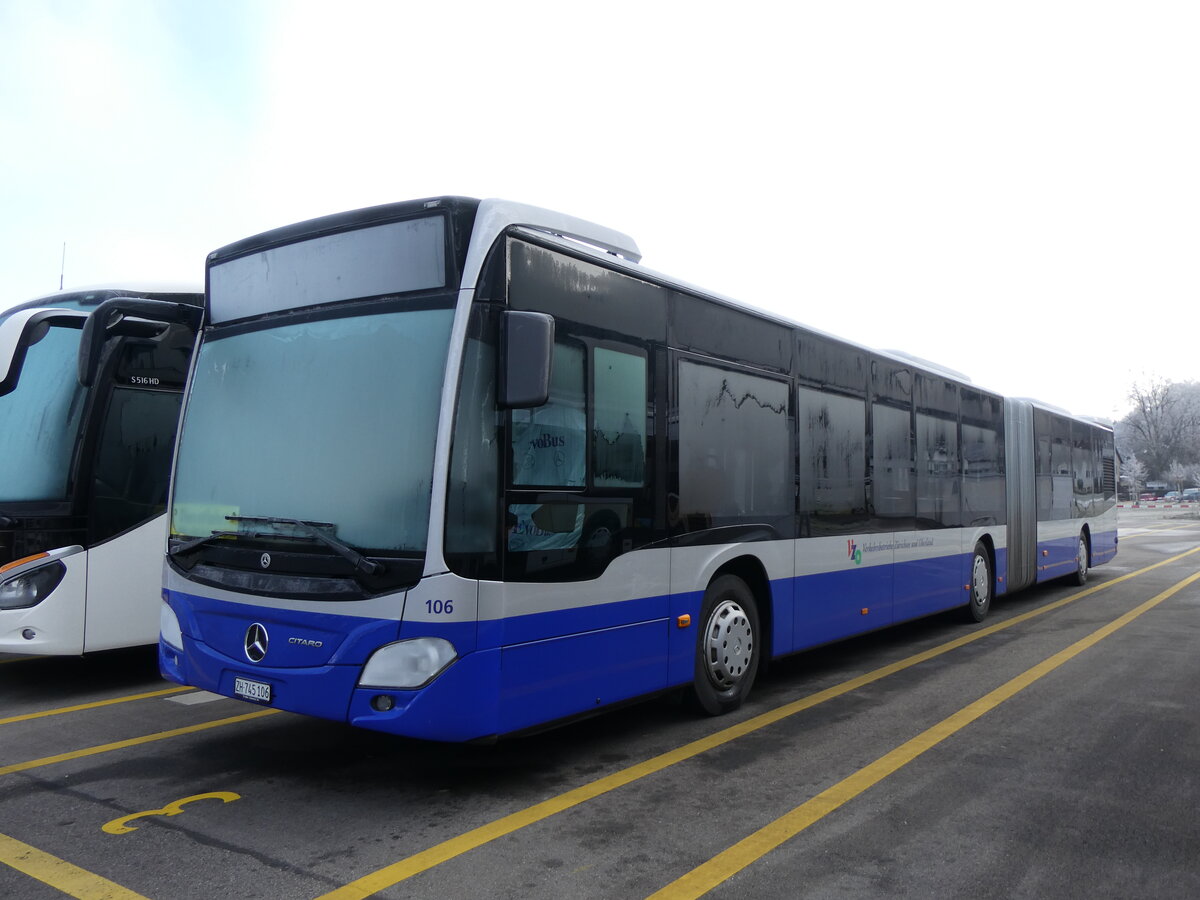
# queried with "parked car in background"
point(1191, 495)
point(1172, 497)
point(1142, 498)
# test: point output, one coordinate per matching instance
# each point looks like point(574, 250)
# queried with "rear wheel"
point(982, 585)
point(1081, 562)
point(727, 647)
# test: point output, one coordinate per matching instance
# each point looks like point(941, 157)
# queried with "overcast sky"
point(1009, 189)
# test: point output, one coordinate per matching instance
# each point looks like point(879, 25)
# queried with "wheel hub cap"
point(980, 581)
point(728, 645)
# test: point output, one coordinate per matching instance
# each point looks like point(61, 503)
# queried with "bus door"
point(584, 598)
point(139, 391)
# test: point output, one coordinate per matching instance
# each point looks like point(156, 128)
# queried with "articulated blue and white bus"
point(91, 383)
point(456, 469)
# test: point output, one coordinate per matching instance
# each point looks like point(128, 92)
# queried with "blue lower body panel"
point(526, 671)
point(1104, 547)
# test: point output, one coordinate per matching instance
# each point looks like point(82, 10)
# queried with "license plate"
point(252, 690)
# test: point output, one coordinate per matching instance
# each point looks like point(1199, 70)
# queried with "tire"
point(1081, 562)
point(728, 647)
point(983, 585)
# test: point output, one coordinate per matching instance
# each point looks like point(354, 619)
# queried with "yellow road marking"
point(122, 826)
point(132, 742)
point(724, 865)
point(20, 659)
point(477, 837)
point(94, 705)
point(60, 874)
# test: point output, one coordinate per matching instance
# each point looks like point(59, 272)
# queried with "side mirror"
point(127, 316)
point(526, 359)
point(21, 331)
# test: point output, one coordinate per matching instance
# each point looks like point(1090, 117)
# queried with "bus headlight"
point(407, 664)
point(169, 631)
point(30, 587)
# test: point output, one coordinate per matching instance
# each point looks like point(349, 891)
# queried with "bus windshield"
point(41, 418)
point(330, 421)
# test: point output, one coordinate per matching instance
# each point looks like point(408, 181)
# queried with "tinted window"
point(832, 451)
point(734, 447)
point(983, 497)
point(1083, 469)
point(713, 328)
point(937, 471)
point(938, 466)
point(582, 292)
point(549, 442)
point(829, 363)
point(619, 419)
point(576, 512)
point(1043, 438)
point(1062, 488)
point(892, 464)
point(133, 463)
point(156, 363)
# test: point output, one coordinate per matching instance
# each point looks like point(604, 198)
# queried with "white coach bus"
point(90, 389)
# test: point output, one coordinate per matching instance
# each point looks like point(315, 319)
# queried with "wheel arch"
point(989, 545)
point(1086, 533)
point(752, 571)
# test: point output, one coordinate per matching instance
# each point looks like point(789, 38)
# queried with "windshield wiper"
point(196, 542)
point(311, 529)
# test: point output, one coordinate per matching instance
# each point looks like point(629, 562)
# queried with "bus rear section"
point(90, 388)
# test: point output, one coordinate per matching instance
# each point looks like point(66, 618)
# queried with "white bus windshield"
point(331, 420)
point(41, 417)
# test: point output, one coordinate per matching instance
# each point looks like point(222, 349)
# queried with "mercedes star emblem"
point(256, 642)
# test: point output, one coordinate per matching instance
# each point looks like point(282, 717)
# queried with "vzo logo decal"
point(855, 552)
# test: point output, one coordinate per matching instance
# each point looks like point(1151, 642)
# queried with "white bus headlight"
point(407, 664)
point(30, 587)
point(168, 627)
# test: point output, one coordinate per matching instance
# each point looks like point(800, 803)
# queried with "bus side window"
point(619, 419)
point(833, 461)
point(735, 448)
point(549, 450)
point(134, 460)
point(549, 441)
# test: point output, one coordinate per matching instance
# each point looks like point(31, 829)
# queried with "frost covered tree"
point(1134, 472)
point(1164, 426)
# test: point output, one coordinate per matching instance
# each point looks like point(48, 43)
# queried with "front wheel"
point(1081, 562)
point(982, 585)
point(727, 648)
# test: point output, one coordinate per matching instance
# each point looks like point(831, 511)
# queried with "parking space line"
point(729, 862)
point(132, 742)
point(60, 874)
point(197, 697)
point(1143, 532)
point(94, 705)
point(484, 834)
